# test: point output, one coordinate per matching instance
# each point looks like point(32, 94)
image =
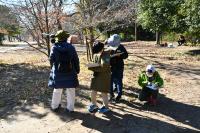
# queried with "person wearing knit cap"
point(118, 54)
point(150, 81)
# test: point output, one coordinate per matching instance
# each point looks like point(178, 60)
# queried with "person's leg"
point(153, 97)
point(119, 83)
point(179, 42)
point(144, 94)
point(105, 99)
point(155, 94)
point(114, 88)
point(104, 108)
point(70, 98)
point(93, 107)
point(119, 88)
point(56, 98)
point(94, 97)
point(111, 87)
point(183, 42)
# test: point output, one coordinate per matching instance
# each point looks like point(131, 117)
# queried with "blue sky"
point(69, 8)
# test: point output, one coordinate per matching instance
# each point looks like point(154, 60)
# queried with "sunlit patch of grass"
point(179, 54)
point(26, 72)
point(23, 57)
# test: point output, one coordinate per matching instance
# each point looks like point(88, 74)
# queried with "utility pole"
point(136, 11)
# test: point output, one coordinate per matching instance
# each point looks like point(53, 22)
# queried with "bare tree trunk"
point(81, 36)
point(108, 34)
point(91, 32)
point(47, 26)
point(157, 37)
point(9, 38)
point(89, 50)
point(89, 44)
point(135, 31)
point(59, 25)
point(58, 20)
point(1, 39)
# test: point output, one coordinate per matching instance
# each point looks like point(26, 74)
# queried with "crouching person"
point(100, 82)
point(65, 67)
point(150, 81)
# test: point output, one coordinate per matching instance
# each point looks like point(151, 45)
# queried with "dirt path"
point(25, 97)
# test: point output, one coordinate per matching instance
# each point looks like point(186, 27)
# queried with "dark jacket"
point(63, 80)
point(101, 76)
point(117, 63)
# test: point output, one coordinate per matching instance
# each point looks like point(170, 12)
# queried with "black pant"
point(146, 93)
point(117, 82)
point(181, 42)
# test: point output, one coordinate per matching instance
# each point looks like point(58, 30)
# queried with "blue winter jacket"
point(63, 80)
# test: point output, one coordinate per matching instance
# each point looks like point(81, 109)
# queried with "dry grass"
point(24, 77)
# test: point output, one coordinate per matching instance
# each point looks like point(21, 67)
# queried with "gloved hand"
point(156, 85)
point(149, 83)
point(144, 82)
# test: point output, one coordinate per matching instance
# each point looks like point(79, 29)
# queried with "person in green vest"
point(100, 81)
point(150, 81)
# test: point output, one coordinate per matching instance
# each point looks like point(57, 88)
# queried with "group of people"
point(107, 77)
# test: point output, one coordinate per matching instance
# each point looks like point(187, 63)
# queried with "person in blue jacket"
point(118, 54)
point(64, 69)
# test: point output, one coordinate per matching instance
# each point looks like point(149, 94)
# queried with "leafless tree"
point(39, 16)
point(91, 15)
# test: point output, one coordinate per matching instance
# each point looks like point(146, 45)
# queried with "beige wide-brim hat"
point(61, 35)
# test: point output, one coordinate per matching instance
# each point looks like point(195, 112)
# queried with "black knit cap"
point(97, 47)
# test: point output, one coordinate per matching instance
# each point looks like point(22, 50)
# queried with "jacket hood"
point(62, 46)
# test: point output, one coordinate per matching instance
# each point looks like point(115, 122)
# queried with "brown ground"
point(25, 97)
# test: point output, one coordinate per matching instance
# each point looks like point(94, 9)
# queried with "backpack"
point(64, 62)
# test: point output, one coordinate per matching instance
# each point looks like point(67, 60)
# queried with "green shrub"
point(170, 37)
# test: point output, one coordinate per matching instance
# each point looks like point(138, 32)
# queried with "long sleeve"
point(125, 53)
point(76, 61)
point(159, 81)
point(142, 80)
point(52, 56)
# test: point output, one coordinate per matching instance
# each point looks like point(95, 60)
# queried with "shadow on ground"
point(176, 70)
point(184, 113)
point(23, 82)
point(131, 122)
point(194, 52)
